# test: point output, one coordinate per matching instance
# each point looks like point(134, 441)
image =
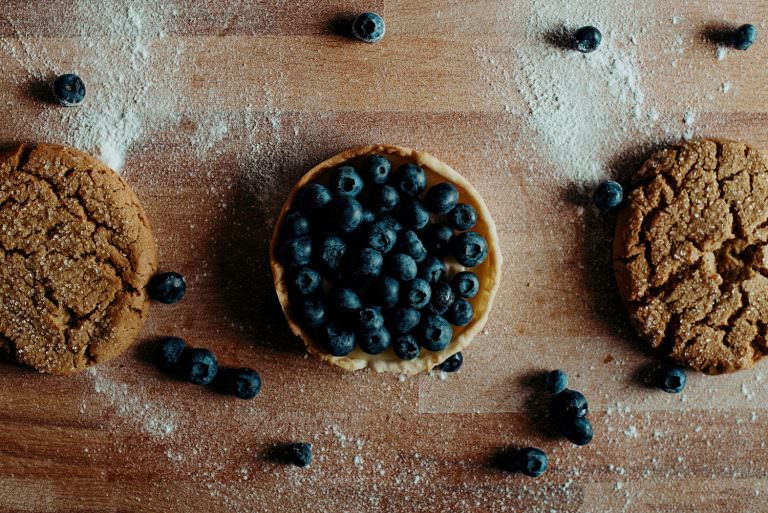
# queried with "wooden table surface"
point(252, 95)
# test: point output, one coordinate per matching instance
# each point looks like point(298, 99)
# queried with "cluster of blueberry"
point(569, 409)
point(370, 237)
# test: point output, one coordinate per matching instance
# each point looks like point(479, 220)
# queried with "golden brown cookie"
point(690, 254)
point(76, 253)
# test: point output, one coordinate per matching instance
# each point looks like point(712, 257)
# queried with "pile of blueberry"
point(365, 260)
point(569, 409)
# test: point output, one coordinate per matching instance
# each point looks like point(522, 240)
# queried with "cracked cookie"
point(690, 254)
point(76, 252)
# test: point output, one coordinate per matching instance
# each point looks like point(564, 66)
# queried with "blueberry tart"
point(385, 257)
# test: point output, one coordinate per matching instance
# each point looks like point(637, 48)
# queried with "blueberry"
point(569, 403)
point(368, 27)
point(375, 342)
point(578, 430)
point(587, 39)
point(169, 352)
point(463, 217)
point(452, 363)
point(295, 224)
point(404, 320)
point(299, 454)
point(69, 89)
point(381, 237)
point(671, 379)
point(375, 169)
point(432, 269)
point(311, 312)
point(608, 195)
point(556, 381)
point(330, 251)
point(413, 214)
point(370, 320)
point(392, 222)
point(409, 180)
point(406, 347)
point(313, 198)
point(466, 284)
point(417, 293)
point(346, 182)
point(441, 198)
point(460, 313)
point(384, 199)
point(296, 252)
point(167, 287)
point(305, 281)
point(368, 216)
point(402, 267)
point(344, 300)
point(338, 341)
point(436, 333)
point(368, 263)
point(469, 249)
point(410, 244)
point(199, 366)
point(345, 214)
point(437, 239)
point(244, 383)
point(442, 297)
point(532, 462)
point(744, 37)
point(385, 292)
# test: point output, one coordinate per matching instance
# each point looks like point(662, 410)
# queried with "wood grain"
point(291, 91)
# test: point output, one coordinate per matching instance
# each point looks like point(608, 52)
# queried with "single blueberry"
point(313, 198)
point(463, 217)
point(375, 169)
point(608, 195)
point(346, 182)
point(460, 313)
point(167, 287)
point(441, 198)
point(310, 312)
point(368, 262)
point(368, 27)
point(298, 454)
point(569, 403)
point(406, 347)
point(244, 383)
point(410, 244)
point(409, 180)
point(452, 363)
point(344, 300)
point(416, 293)
point(392, 222)
point(432, 269)
point(384, 199)
point(199, 366)
point(442, 297)
point(532, 462)
point(338, 341)
point(330, 251)
point(169, 352)
point(578, 430)
point(345, 214)
point(466, 284)
point(295, 224)
point(305, 281)
point(381, 237)
point(556, 381)
point(385, 292)
point(375, 342)
point(435, 333)
point(437, 239)
point(744, 37)
point(671, 379)
point(402, 267)
point(469, 249)
point(587, 39)
point(413, 214)
point(404, 320)
point(368, 216)
point(370, 320)
point(296, 252)
point(69, 89)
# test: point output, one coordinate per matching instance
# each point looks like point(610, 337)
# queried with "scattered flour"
point(721, 53)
